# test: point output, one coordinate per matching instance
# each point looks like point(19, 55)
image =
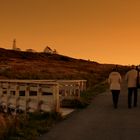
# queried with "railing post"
point(56, 97)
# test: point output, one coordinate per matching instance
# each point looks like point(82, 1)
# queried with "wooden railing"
point(29, 96)
point(38, 95)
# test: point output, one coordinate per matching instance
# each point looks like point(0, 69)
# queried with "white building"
point(30, 50)
point(48, 50)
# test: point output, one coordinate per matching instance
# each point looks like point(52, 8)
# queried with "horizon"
point(96, 30)
point(72, 57)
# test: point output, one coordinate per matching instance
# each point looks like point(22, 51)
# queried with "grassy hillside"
point(28, 65)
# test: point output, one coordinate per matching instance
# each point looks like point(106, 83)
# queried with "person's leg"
point(135, 97)
point(113, 97)
point(129, 97)
point(117, 98)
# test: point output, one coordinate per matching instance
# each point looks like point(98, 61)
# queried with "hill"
point(33, 65)
point(28, 65)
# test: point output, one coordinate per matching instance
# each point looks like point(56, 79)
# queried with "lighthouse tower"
point(14, 44)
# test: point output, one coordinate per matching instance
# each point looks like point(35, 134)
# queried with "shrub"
point(73, 103)
point(64, 58)
point(27, 127)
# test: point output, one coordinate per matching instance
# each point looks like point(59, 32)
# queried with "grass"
point(88, 95)
point(28, 127)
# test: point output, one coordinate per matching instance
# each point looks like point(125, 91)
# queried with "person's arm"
point(109, 79)
point(120, 79)
point(138, 79)
point(126, 77)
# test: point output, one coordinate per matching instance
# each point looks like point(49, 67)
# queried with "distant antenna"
point(14, 44)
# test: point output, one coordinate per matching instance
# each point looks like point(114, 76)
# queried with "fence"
point(29, 96)
point(38, 95)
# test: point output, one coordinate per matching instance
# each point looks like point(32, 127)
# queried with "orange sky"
point(107, 31)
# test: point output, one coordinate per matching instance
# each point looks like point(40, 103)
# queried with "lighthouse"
point(14, 46)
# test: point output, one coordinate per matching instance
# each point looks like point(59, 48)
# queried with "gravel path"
point(100, 121)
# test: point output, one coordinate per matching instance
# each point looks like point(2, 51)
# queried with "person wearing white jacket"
point(114, 81)
point(131, 79)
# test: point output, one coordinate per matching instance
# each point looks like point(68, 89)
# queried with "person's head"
point(138, 67)
point(133, 67)
point(115, 68)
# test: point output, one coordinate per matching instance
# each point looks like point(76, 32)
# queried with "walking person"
point(114, 81)
point(131, 79)
point(138, 76)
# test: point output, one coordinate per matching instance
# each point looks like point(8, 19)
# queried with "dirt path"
point(100, 121)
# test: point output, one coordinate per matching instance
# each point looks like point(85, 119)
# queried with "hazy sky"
point(107, 31)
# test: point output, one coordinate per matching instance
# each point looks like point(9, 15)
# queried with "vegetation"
point(33, 125)
point(28, 65)
point(27, 127)
point(88, 95)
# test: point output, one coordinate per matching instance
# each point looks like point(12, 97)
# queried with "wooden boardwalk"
point(100, 121)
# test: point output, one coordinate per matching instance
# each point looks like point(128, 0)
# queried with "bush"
point(64, 58)
point(73, 103)
point(88, 95)
point(28, 127)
